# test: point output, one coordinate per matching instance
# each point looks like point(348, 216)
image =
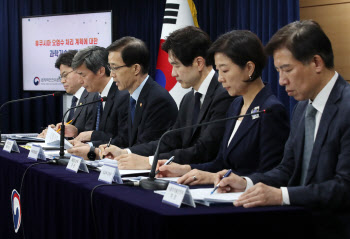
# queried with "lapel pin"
point(80, 103)
point(140, 104)
point(255, 109)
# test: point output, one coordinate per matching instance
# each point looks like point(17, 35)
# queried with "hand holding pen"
point(66, 124)
point(167, 162)
point(226, 175)
point(109, 143)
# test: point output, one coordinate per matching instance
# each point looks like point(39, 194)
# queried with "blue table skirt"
point(56, 204)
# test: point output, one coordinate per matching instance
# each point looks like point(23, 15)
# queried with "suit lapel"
point(248, 121)
point(299, 143)
point(207, 101)
point(328, 115)
point(79, 109)
point(140, 105)
point(187, 134)
point(231, 123)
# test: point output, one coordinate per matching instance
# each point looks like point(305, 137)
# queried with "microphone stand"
point(152, 183)
point(62, 159)
point(24, 99)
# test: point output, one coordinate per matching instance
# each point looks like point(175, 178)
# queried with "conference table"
point(57, 203)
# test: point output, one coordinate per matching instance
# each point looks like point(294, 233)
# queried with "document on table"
point(203, 196)
point(22, 137)
point(100, 163)
point(171, 179)
point(53, 139)
point(50, 154)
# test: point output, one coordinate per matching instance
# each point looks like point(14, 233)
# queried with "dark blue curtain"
point(139, 18)
point(263, 17)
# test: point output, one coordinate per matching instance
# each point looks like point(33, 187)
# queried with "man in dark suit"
point(72, 84)
point(187, 50)
point(91, 63)
point(152, 110)
point(315, 170)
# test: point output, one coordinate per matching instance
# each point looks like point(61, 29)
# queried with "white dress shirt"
point(319, 104)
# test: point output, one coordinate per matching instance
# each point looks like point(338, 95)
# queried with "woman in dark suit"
point(250, 144)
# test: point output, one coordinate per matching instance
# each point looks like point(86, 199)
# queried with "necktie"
point(99, 113)
point(197, 107)
point(132, 108)
point(71, 112)
point(309, 140)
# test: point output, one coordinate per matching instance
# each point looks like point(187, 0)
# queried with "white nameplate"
point(11, 145)
point(36, 152)
point(77, 163)
point(110, 173)
point(176, 194)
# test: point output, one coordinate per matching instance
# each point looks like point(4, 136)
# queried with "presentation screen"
point(44, 38)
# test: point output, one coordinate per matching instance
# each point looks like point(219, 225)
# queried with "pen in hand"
point(167, 162)
point(226, 175)
point(109, 143)
point(66, 123)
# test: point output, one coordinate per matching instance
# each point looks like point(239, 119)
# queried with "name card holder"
point(36, 152)
point(176, 194)
point(110, 173)
point(77, 163)
point(11, 145)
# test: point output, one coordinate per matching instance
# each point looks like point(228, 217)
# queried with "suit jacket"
point(258, 144)
point(201, 144)
point(328, 176)
point(155, 112)
point(84, 117)
point(113, 123)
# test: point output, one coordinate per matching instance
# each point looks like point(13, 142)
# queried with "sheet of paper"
point(45, 146)
point(55, 153)
point(53, 138)
point(100, 163)
point(202, 195)
point(223, 197)
point(171, 179)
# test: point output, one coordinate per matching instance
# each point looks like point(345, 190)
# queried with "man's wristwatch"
point(91, 154)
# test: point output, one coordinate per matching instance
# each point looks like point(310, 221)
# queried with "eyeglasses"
point(110, 68)
point(64, 75)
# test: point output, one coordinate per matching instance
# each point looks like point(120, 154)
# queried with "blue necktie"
point(309, 140)
point(99, 113)
point(71, 112)
point(132, 108)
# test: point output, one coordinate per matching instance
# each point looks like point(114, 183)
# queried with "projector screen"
point(44, 38)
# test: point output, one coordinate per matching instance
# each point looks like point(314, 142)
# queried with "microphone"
point(64, 162)
point(58, 93)
point(152, 183)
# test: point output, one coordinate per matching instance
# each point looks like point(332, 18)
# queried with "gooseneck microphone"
point(152, 183)
point(58, 93)
point(64, 162)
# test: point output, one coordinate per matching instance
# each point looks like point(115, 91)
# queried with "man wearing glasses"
point(82, 117)
point(91, 64)
point(151, 109)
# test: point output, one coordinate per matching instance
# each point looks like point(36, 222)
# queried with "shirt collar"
point(203, 88)
point(321, 99)
point(105, 91)
point(138, 90)
point(79, 93)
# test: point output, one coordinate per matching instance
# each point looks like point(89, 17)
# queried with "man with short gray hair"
point(91, 64)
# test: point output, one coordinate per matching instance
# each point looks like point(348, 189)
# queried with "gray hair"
point(94, 57)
